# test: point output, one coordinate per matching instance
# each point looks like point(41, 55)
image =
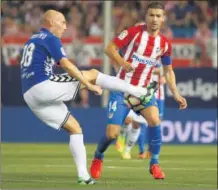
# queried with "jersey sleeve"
point(125, 37)
point(55, 48)
point(166, 57)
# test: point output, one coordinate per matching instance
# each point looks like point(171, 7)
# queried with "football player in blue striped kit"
point(45, 93)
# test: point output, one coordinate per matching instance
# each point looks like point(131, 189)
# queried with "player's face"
point(154, 19)
point(59, 26)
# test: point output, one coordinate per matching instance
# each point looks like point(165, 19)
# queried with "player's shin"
point(122, 137)
point(102, 146)
point(154, 142)
point(116, 84)
point(78, 151)
point(132, 137)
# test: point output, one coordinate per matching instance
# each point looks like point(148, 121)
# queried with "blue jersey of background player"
point(40, 54)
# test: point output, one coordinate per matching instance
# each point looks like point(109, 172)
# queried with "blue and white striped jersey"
point(38, 58)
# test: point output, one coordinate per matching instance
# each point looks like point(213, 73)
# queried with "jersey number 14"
point(27, 55)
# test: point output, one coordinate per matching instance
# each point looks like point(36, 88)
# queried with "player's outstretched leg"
point(154, 140)
point(116, 84)
point(78, 150)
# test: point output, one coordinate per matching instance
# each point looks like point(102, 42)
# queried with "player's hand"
point(126, 66)
point(181, 100)
point(96, 89)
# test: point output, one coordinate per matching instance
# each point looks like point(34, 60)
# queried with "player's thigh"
point(49, 91)
point(116, 109)
point(72, 126)
point(64, 87)
point(54, 115)
point(66, 91)
point(151, 112)
point(116, 113)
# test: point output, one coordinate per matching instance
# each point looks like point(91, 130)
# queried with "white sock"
point(126, 128)
point(132, 137)
point(116, 84)
point(78, 151)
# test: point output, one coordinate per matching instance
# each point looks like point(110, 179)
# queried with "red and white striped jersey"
point(160, 90)
point(142, 51)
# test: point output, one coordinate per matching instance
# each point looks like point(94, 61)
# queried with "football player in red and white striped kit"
point(135, 125)
point(143, 46)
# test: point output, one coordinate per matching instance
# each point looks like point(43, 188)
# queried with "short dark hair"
point(156, 5)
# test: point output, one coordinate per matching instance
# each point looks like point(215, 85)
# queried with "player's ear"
point(51, 22)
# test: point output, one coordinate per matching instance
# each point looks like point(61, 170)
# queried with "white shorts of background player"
point(137, 118)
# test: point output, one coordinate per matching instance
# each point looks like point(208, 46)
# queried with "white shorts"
point(46, 101)
point(137, 118)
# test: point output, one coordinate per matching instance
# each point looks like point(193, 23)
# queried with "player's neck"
point(153, 33)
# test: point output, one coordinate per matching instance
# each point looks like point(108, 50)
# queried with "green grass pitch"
point(51, 166)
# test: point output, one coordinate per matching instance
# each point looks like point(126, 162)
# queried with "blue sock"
point(141, 139)
point(102, 146)
point(154, 143)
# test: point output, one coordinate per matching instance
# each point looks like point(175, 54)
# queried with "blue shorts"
point(117, 110)
point(160, 104)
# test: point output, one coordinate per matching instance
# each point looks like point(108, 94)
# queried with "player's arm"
point(170, 77)
point(171, 82)
point(54, 46)
point(115, 66)
point(73, 71)
point(159, 71)
point(112, 50)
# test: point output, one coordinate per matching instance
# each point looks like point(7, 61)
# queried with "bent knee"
point(154, 121)
point(72, 126)
point(113, 131)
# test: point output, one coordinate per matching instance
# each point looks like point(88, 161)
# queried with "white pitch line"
point(109, 182)
point(194, 162)
point(110, 167)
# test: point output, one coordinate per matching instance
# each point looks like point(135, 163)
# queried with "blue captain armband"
point(166, 60)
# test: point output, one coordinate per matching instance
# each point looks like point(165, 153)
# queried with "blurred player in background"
point(143, 46)
point(45, 92)
point(134, 127)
